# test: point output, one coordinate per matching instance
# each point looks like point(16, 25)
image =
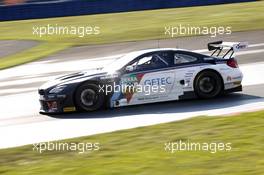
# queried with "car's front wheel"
point(208, 84)
point(88, 97)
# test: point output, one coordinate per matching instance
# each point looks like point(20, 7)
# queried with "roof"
point(140, 52)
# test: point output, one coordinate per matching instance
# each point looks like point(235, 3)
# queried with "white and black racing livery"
point(175, 74)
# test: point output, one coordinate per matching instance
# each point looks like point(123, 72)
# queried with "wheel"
point(208, 84)
point(88, 97)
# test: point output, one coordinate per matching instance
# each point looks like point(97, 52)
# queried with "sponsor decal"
point(224, 69)
point(148, 86)
point(229, 78)
point(237, 78)
point(69, 109)
point(188, 75)
point(110, 76)
point(158, 81)
point(237, 83)
point(131, 81)
point(148, 98)
point(241, 46)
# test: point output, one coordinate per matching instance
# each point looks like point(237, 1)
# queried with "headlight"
point(57, 89)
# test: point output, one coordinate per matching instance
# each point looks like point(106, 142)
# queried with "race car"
point(147, 76)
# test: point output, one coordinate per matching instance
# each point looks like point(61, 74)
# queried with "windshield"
point(120, 62)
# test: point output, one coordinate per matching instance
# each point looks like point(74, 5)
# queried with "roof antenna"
point(158, 43)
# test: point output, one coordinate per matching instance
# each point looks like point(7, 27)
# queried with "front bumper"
point(235, 89)
point(54, 103)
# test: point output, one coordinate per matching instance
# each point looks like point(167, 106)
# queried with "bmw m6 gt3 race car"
point(147, 76)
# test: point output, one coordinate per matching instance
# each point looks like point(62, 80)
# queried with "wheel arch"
point(96, 82)
point(208, 70)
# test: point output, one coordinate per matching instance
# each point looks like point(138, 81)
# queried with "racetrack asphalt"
point(21, 124)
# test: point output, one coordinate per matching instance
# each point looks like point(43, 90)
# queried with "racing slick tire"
point(89, 98)
point(208, 84)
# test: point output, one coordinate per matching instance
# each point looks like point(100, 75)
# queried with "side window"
point(143, 61)
point(180, 58)
point(151, 61)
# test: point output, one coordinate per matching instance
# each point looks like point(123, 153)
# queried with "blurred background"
point(16, 2)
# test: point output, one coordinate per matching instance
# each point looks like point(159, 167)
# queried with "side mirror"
point(129, 68)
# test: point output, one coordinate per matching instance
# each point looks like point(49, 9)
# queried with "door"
point(149, 79)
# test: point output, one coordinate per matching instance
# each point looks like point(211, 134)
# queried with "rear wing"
point(226, 48)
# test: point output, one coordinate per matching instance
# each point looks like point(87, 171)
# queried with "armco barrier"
point(85, 7)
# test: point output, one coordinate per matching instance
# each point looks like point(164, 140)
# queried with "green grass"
point(141, 150)
point(130, 26)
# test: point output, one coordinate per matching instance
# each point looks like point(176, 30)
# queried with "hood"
point(74, 77)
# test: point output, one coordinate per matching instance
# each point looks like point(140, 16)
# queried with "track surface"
point(21, 124)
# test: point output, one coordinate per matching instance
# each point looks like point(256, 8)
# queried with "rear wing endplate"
point(219, 46)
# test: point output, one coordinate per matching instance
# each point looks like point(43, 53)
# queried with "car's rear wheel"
point(208, 84)
point(88, 97)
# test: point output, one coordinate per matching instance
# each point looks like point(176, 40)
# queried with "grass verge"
point(131, 26)
point(141, 150)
